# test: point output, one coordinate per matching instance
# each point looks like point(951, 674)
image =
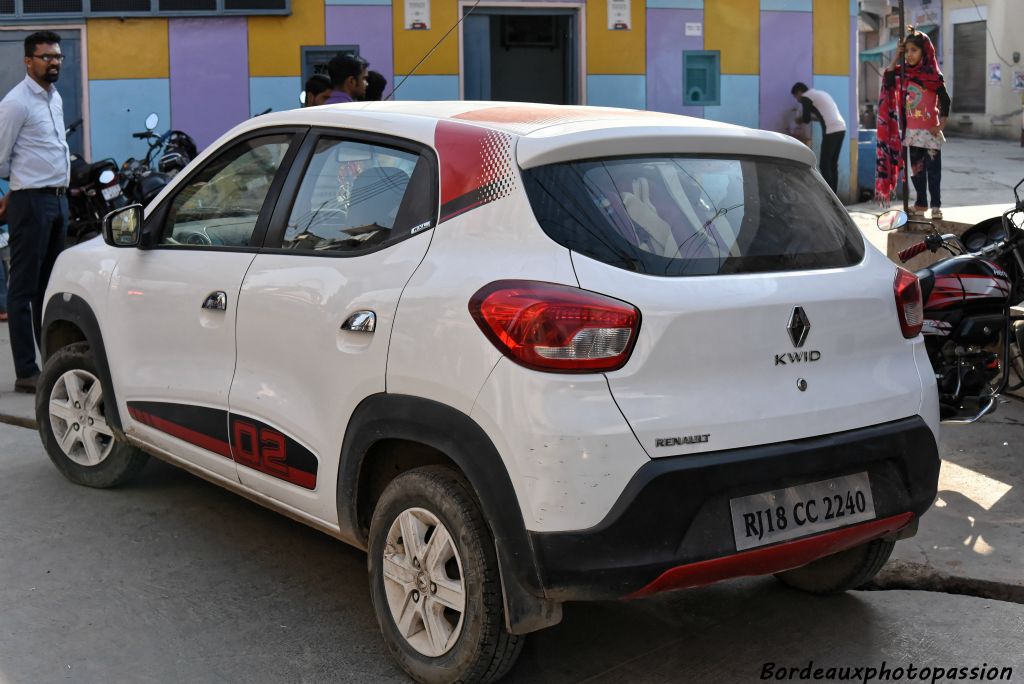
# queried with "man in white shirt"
point(819, 106)
point(34, 153)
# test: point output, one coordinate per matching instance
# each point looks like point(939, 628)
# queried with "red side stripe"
point(200, 440)
point(773, 559)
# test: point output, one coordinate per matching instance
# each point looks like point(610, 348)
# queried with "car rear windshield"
point(679, 215)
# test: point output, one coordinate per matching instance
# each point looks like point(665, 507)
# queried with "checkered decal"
point(476, 166)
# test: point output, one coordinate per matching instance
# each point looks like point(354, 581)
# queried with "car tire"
point(841, 571)
point(453, 546)
point(71, 413)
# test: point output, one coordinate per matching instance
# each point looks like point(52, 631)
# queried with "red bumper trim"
point(771, 559)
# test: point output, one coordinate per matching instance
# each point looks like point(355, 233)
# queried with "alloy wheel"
point(77, 419)
point(424, 582)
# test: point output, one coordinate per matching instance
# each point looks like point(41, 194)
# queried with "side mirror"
point(302, 99)
point(892, 219)
point(106, 177)
point(151, 121)
point(123, 227)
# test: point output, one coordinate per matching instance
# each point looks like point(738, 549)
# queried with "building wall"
point(204, 75)
point(1003, 105)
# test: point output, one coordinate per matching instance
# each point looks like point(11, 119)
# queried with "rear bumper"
point(671, 527)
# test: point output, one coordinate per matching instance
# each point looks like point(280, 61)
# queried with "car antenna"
point(431, 51)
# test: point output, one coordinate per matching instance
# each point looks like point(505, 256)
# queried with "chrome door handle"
point(216, 301)
point(361, 321)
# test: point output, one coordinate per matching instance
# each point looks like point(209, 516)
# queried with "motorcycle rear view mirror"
point(892, 220)
point(151, 121)
point(123, 227)
point(302, 98)
point(107, 177)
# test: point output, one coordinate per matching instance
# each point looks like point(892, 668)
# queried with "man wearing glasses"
point(34, 154)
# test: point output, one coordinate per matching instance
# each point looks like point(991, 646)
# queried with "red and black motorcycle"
point(974, 343)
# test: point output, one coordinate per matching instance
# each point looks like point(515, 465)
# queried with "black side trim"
point(76, 311)
point(394, 416)
point(208, 421)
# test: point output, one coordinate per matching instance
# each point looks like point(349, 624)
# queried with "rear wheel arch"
point(68, 319)
point(390, 434)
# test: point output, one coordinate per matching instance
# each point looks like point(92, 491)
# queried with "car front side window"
point(221, 204)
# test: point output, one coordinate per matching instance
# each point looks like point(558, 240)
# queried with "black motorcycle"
point(167, 155)
point(94, 191)
point(973, 342)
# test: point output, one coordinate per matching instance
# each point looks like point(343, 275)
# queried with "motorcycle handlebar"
point(142, 136)
point(912, 251)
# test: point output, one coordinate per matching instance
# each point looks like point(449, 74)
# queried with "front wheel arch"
point(68, 319)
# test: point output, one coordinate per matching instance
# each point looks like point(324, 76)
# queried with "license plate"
point(111, 192)
point(793, 512)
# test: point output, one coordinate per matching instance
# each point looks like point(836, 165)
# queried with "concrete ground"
point(172, 579)
point(977, 183)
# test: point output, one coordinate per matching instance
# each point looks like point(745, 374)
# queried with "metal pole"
point(905, 151)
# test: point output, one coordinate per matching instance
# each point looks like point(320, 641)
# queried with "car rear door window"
point(357, 196)
point(221, 204)
point(681, 215)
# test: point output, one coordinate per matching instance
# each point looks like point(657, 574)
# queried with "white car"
point(521, 354)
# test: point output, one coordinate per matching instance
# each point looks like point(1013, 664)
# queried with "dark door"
point(12, 71)
point(521, 55)
point(969, 68)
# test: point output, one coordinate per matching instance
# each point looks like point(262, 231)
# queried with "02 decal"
point(249, 442)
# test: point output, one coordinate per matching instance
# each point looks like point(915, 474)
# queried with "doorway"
point(521, 54)
point(12, 72)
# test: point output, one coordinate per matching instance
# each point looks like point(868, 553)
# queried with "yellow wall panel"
point(832, 37)
point(275, 42)
point(734, 28)
point(616, 52)
point(129, 48)
point(412, 45)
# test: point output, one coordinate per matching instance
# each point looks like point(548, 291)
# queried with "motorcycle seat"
point(926, 277)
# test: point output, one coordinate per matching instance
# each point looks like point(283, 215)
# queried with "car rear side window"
point(357, 196)
point(679, 215)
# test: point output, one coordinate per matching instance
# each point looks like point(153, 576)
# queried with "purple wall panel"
point(209, 76)
point(666, 41)
point(787, 56)
point(369, 27)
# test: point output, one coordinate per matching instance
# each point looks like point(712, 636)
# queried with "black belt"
point(59, 192)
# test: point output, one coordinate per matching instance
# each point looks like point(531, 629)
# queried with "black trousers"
point(828, 161)
point(38, 223)
point(926, 175)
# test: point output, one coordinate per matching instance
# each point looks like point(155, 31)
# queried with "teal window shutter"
point(701, 76)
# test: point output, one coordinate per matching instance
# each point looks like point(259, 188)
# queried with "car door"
point(173, 303)
point(338, 255)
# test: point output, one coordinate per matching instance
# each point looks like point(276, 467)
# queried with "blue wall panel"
point(427, 87)
point(118, 108)
point(741, 100)
point(280, 93)
point(617, 90)
point(788, 5)
point(839, 88)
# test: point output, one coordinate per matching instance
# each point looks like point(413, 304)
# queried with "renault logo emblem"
point(798, 327)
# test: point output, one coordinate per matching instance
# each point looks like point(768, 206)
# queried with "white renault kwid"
point(521, 354)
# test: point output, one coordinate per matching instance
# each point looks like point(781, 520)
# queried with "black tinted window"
point(685, 215)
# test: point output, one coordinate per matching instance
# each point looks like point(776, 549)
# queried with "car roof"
point(548, 134)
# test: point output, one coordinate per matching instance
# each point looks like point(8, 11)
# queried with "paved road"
point(175, 580)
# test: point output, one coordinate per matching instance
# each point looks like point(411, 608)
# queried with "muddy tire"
point(841, 571)
point(72, 415)
point(434, 581)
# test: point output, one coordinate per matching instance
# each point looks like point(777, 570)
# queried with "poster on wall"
point(694, 28)
point(995, 74)
point(417, 15)
point(1018, 81)
point(619, 15)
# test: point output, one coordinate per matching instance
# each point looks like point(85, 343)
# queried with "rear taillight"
point(909, 306)
point(557, 328)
